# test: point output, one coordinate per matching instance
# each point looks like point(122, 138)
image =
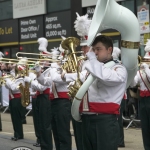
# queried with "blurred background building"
point(22, 22)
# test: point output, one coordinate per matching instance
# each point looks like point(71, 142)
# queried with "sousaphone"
point(110, 15)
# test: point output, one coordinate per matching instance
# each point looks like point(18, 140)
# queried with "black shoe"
point(37, 145)
point(15, 138)
point(121, 145)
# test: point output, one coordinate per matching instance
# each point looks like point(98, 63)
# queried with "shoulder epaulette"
point(116, 61)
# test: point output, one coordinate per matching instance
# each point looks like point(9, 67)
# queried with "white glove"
point(32, 76)
point(8, 81)
point(37, 68)
point(71, 83)
point(54, 65)
point(91, 55)
point(144, 65)
point(27, 79)
point(60, 57)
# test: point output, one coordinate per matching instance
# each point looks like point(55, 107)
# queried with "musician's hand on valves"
point(27, 79)
point(144, 65)
point(71, 84)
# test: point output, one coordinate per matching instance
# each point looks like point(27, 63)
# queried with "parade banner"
point(9, 32)
point(25, 8)
point(57, 25)
point(31, 28)
point(143, 17)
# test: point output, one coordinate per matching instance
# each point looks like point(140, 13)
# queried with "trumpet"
point(8, 60)
point(36, 59)
point(15, 61)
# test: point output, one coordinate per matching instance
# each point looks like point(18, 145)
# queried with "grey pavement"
point(133, 137)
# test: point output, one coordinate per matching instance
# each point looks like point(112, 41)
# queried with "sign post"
point(143, 17)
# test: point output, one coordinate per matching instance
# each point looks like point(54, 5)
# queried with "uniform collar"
point(111, 59)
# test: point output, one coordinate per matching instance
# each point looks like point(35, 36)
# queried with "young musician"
point(143, 79)
point(99, 120)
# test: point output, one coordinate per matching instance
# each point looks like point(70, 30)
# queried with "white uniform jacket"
point(13, 87)
point(59, 86)
point(138, 80)
point(42, 89)
point(106, 92)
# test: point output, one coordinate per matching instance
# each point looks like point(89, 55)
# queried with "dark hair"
point(105, 40)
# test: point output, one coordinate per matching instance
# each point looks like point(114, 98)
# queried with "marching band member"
point(11, 69)
point(4, 69)
point(82, 25)
point(43, 103)
point(15, 106)
point(33, 94)
point(61, 105)
point(116, 54)
point(142, 78)
point(99, 120)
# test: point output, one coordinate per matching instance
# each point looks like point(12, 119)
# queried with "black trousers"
point(23, 114)
point(16, 116)
point(145, 121)
point(44, 121)
point(100, 132)
point(120, 121)
point(61, 117)
point(77, 127)
point(35, 119)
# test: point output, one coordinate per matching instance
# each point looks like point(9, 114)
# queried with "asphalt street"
point(133, 137)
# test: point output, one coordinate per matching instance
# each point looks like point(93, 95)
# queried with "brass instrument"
point(71, 65)
point(2, 79)
point(14, 61)
point(24, 90)
point(143, 60)
point(8, 59)
point(36, 59)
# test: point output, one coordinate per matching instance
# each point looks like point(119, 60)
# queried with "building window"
point(129, 4)
point(30, 48)
point(6, 10)
point(58, 5)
